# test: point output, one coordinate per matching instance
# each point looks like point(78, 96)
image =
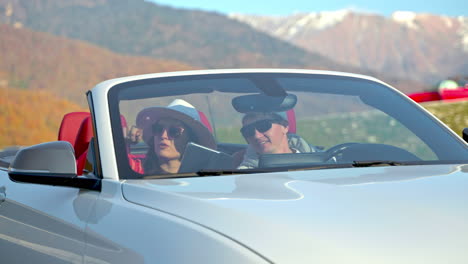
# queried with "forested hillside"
point(142, 28)
point(198, 38)
point(43, 77)
point(68, 68)
point(31, 118)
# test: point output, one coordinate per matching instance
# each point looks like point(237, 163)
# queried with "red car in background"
point(459, 93)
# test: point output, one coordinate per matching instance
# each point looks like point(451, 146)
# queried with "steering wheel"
point(334, 153)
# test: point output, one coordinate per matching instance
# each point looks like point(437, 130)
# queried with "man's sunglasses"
point(172, 130)
point(261, 126)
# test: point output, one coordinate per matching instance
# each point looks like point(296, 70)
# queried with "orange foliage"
point(40, 61)
point(29, 118)
point(43, 77)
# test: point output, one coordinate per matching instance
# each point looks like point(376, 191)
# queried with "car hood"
point(407, 214)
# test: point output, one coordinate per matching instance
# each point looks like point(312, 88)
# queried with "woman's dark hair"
point(151, 161)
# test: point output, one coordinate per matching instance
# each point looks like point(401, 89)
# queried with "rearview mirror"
point(263, 103)
point(465, 134)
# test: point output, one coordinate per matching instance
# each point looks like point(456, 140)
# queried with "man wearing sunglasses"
point(267, 133)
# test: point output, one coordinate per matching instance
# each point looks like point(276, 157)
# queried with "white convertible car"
point(191, 167)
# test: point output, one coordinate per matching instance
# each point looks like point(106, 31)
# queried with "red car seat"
point(70, 125)
point(291, 115)
point(83, 137)
point(205, 121)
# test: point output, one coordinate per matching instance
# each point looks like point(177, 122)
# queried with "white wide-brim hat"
point(179, 110)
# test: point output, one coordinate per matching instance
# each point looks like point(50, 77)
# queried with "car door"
point(42, 223)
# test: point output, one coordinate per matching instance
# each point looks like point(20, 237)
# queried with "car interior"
point(230, 155)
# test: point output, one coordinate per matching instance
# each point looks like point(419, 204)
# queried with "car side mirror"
point(51, 163)
point(465, 134)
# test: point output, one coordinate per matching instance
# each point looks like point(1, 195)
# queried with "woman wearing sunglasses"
point(267, 133)
point(166, 131)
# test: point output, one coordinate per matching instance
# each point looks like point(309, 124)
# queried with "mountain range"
point(409, 45)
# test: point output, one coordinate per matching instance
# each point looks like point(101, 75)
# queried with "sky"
point(285, 7)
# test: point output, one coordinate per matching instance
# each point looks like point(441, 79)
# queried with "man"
point(267, 133)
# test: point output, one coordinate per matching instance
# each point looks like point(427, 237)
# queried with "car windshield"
point(256, 122)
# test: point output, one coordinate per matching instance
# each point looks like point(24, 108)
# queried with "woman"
point(167, 130)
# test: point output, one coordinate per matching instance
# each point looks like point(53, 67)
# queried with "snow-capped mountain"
point(410, 45)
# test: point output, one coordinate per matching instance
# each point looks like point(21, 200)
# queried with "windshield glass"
point(177, 126)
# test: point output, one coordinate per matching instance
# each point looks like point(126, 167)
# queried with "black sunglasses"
point(261, 126)
point(172, 130)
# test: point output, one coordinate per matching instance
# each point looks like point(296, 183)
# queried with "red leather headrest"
point(70, 125)
point(123, 121)
point(291, 120)
point(205, 121)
